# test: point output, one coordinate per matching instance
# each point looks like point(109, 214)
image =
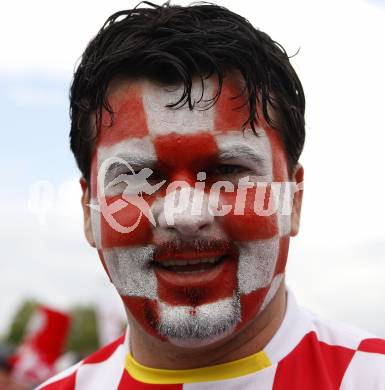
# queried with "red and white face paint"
point(205, 275)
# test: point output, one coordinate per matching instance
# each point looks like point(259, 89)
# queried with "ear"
point(87, 212)
point(297, 199)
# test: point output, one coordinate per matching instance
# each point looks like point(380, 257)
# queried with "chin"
point(195, 327)
point(191, 343)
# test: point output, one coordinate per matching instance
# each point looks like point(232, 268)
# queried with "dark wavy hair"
point(173, 44)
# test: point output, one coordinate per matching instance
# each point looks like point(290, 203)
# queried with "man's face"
point(201, 262)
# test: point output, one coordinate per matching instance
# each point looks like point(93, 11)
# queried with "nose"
point(191, 225)
point(185, 211)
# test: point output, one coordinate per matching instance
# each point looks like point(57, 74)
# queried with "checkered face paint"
point(204, 276)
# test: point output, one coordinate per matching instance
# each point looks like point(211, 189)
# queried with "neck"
point(151, 352)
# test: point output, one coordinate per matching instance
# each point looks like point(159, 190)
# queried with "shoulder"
point(103, 367)
point(320, 354)
point(359, 356)
point(367, 367)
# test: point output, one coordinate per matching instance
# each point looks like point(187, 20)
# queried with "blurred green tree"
point(83, 337)
point(19, 323)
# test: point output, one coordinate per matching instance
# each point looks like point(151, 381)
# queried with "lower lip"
point(196, 278)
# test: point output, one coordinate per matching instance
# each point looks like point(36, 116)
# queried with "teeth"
point(174, 262)
point(170, 263)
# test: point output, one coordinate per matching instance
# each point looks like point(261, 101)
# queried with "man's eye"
point(227, 169)
point(155, 177)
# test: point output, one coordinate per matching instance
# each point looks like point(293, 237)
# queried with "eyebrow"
point(137, 161)
point(241, 151)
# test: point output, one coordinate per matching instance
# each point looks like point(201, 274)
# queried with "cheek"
point(282, 255)
point(249, 225)
point(101, 257)
point(279, 157)
point(251, 304)
point(126, 217)
point(145, 312)
point(129, 216)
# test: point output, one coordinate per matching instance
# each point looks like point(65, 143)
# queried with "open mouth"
point(190, 266)
point(204, 264)
point(178, 271)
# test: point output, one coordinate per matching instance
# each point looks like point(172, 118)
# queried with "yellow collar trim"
point(237, 368)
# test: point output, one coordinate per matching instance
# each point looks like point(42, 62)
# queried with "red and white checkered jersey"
point(306, 353)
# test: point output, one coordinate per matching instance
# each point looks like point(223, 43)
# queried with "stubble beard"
point(186, 326)
point(191, 325)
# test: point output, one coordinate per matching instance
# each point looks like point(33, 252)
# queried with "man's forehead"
point(140, 108)
point(163, 120)
point(145, 129)
point(145, 132)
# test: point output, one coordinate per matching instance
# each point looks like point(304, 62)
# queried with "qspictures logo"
point(181, 197)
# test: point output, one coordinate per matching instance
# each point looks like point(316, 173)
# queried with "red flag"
point(43, 343)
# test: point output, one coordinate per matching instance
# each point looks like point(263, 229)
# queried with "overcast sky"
point(336, 264)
